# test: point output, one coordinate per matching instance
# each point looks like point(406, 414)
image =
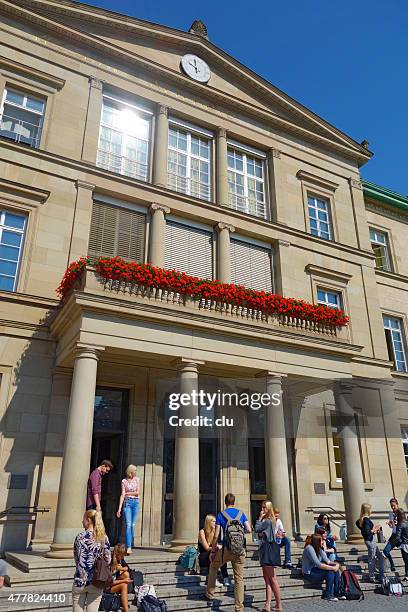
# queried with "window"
point(246, 183)
point(124, 139)
point(189, 249)
point(12, 229)
point(379, 244)
point(117, 231)
point(404, 436)
point(189, 162)
point(395, 343)
point(329, 298)
point(22, 117)
point(251, 265)
point(336, 452)
point(319, 217)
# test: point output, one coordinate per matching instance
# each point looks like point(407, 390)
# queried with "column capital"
point(84, 185)
point(355, 183)
point(270, 374)
point(155, 207)
point(221, 226)
point(284, 243)
point(222, 132)
point(188, 365)
point(162, 110)
point(88, 351)
point(343, 386)
point(96, 83)
point(274, 153)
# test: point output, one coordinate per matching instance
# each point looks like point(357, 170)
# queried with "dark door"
point(257, 477)
point(109, 442)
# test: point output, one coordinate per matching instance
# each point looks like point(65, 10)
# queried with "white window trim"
point(22, 233)
point(190, 127)
point(386, 247)
point(245, 175)
point(141, 109)
point(190, 156)
point(328, 212)
point(329, 290)
point(235, 144)
point(402, 331)
point(28, 110)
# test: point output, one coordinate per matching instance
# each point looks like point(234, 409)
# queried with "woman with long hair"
point(205, 538)
point(323, 522)
point(266, 526)
point(129, 501)
point(120, 575)
point(89, 545)
point(330, 552)
point(317, 568)
point(401, 536)
point(368, 530)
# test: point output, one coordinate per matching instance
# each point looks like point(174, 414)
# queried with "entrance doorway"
point(109, 442)
point(257, 475)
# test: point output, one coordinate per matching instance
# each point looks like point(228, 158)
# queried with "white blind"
point(189, 249)
point(251, 265)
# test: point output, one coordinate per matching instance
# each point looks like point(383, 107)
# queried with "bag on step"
point(350, 586)
point(189, 558)
point(152, 604)
point(143, 591)
point(137, 581)
point(110, 602)
point(234, 533)
point(392, 586)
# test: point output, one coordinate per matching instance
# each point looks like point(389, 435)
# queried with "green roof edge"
point(382, 194)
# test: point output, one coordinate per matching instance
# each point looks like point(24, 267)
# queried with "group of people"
point(222, 541)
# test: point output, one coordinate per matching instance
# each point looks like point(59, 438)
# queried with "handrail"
point(334, 513)
point(24, 510)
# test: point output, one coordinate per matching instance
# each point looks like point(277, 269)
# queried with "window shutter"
point(188, 249)
point(117, 231)
point(251, 265)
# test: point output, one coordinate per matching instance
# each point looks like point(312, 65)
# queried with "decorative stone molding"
point(84, 185)
point(155, 207)
point(199, 28)
point(316, 180)
point(188, 365)
point(222, 132)
point(355, 183)
point(335, 274)
point(221, 226)
point(284, 243)
point(275, 153)
point(95, 83)
point(162, 110)
point(270, 374)
point(31, 73)
point(88, 351)
point(31, 195)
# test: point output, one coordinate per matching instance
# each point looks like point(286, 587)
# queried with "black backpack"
point(234, 533)
point(350, 586)
point(152, 604)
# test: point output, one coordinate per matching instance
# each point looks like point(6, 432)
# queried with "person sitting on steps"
point(330, 552)
point(285, 542)
point(317, 568)
point(120, 575)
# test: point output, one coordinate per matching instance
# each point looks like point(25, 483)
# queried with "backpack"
point(392, 586)
point(189, 558)
point(350, 586)
point(152, 604)
point(234, 533)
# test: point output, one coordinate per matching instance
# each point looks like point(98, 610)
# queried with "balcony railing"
point(247, 205)
point(189, 186)
point(20, 131)
point(122, 165)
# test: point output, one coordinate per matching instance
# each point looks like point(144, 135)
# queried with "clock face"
point(196, 68)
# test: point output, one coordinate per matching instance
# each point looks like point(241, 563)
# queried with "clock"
point(195, 68)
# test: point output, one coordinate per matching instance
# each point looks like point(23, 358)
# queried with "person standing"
point(234, 524)
point(368, 529)
point(129, 501)
point(285, 542)
point(4, 577)
point(401, 537)
point(89, 545)
point(270, 532)
point(94, 488)
point(392, 542)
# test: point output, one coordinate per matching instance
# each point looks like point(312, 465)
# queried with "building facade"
point(119, 137)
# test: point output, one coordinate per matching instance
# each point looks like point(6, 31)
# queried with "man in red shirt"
point(93, 494)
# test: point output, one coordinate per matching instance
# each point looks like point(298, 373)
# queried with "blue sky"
point(346, 61)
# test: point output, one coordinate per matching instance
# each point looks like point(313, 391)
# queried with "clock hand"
point(193, 63)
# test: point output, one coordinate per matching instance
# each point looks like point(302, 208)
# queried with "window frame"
point(26, 94)
point(404, 440)
point(191, 130)
point(22, 233)
point(150, 144)
point(246, 152)
point(327, 290)
point(386, 245)
point(329, 222)
point(403, 339)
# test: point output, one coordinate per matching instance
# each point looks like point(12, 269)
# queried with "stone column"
point(224, 252)
point(186, 494)
point(276, 462)
point(277, 188)
point(160, 147)
point(93, 120)
point(222, 167)
point(77, 453)
point(81, 223)
point(359, 214)
point(352, 473)
point(157, 234)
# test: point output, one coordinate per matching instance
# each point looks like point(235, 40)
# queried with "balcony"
point(247, 205)
point(122, 165)
point(20, 131)
point(189, 186)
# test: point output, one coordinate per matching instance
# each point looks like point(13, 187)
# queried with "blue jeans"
point(286, 543)
point(130, 512)
point(387, 552)
point(317, 576)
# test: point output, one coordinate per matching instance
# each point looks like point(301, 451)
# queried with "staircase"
point(49, 581)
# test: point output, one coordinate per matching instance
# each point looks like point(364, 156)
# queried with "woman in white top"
point(129, 502)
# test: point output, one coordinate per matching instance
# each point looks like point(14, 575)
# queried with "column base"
point(354, 538)
point(60, 551)
point(178, 546)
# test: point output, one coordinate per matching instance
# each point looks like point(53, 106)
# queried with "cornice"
point(390, 276)
point(32, 73)
point(385, 210)
point(321, 129)
point(26, 192)
point(316, 180)
point(385, 196)
point(334, 274)
point(93, 172)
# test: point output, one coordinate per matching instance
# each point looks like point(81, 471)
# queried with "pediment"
point(156, 50)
